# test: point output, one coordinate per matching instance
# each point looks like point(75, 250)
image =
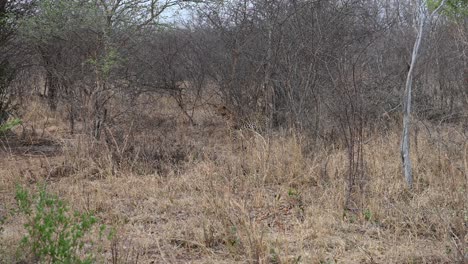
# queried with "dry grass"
point(211, 194)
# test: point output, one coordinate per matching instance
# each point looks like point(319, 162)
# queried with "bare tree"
point(405, 142)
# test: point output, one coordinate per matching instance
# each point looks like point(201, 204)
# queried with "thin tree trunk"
point(267, 88)
point(405, 142)
point(52, 90)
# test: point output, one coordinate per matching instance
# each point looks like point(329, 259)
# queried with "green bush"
point(10, 125)
point(54, 234)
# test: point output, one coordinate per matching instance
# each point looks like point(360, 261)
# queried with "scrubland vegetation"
point(245, 132)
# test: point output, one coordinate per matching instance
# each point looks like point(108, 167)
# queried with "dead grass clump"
point(159, 154)
point(213, 194)
point(235, 230)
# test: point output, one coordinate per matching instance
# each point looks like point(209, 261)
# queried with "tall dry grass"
point(178, 193)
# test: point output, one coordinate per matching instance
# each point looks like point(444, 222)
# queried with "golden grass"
point(211, 194)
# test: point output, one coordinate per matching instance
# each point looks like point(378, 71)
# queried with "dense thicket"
point(326, 67)
point(11, 56)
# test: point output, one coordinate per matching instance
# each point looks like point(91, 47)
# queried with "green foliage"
point(368, 215)
point(453, 8)
point(110, 61)
point(3, 23)
point(107, 62)
point(54, 234)
point(59, 23)
point(293, 192)
point(10, 125)
point(5, 26)
point(59, 20)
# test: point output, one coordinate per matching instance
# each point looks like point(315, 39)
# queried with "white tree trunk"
point(405, 142)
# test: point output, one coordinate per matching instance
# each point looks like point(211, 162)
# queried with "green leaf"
point(456, 9)
point(10, 125)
